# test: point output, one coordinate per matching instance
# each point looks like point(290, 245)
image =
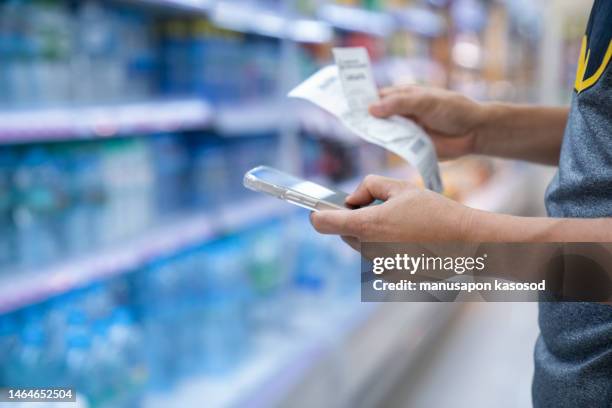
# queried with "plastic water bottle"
point(171, 174)
point(30, 365)
point(50, 31)
point(268, 273)
point(110, 370)
point(8, 345)
point(125, 340)
point(80, 367)
point(7, 197)
point(224, 332)
point(157, 300)
point(20, 51)
point(137, 53)
point(86, 198)
point(211, 182)
point(96, 58)
point(41, 194)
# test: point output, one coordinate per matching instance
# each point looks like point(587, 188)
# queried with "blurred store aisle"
point(484, 360)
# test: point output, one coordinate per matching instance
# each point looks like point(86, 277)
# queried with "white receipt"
point(347, 89)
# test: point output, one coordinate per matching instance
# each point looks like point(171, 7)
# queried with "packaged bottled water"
point(31, 364)
point(171, 173)
point(20, 52)
point(210, 176)
point(157, 298)
point(128, 179)
point(224, 332)
point(136, 53)
point(81, 368)
point(8, 345)
point(41, 195)
point(268, 263)
point(49, 26)
point(86, 198)
point(126, 338)
point(96, 59)
point(7, 197)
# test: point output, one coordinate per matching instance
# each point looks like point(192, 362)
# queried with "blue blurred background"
point(135, 267)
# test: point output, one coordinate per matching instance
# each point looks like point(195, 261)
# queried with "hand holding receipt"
point(347, 89)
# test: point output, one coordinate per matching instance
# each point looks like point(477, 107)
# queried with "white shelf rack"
point(348, 18)
point(193, 6)
point(249, 17)
point(63, 123)
point(251, 118)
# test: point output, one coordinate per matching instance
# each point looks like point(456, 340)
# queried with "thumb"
point(403, 104)
point(374, 188)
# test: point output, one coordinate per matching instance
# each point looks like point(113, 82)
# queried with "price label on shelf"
point(347, 89)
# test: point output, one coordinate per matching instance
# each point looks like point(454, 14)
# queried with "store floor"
point(483, 360)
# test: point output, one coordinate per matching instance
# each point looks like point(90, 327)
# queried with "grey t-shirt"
point(573, 355)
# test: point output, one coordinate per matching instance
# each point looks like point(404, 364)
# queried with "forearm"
point(483, 226)
point(531, 265)
point(522, 132)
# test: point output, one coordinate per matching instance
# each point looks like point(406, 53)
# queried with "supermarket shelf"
point(269, 116)
point(421, 21)
point(250, 118)
point(192, 6)
point(27, 288)
point(67, 123)
point(357, 19)
point(56, 124)
point(417, 20)
point(18, 126)
point(249, 18)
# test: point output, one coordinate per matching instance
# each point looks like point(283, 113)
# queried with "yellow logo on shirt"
point(583, 83)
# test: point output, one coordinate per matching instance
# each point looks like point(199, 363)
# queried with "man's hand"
point(459, 126)
point(450, 119)
point(407, 215)
point(412, 215)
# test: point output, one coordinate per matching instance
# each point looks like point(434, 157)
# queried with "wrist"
point(467, 225)
point(487, 115)
point(482, 226)
point(485, 226)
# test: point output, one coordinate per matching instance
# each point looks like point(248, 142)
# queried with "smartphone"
point(294, 190)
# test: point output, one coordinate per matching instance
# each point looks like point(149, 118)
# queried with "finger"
point(352, 242)
point(405, 104)
point(397, 89)
point(374, 188)
point(337, 222)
